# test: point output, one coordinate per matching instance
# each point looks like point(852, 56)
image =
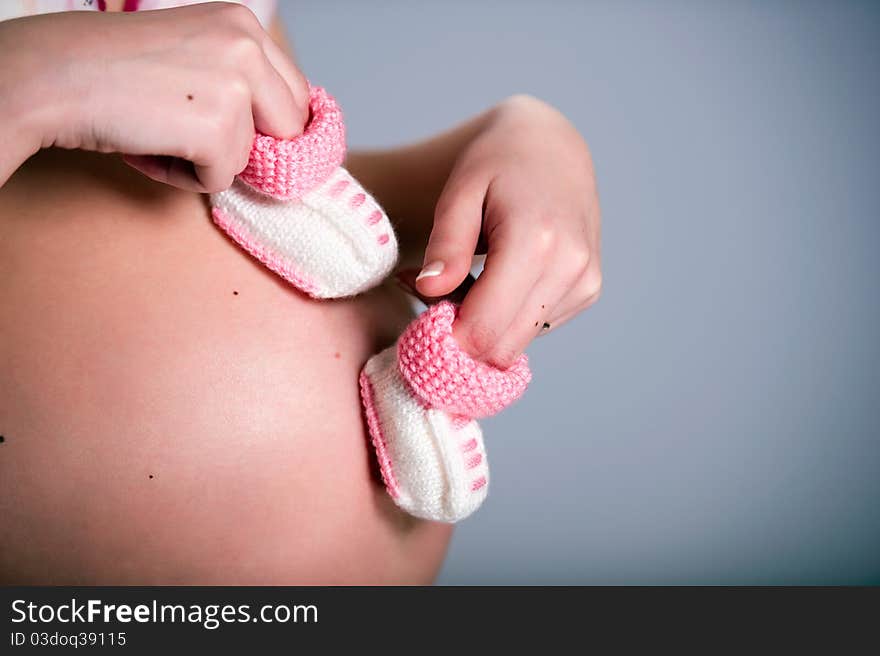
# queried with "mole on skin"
point(189, 96)
point(234, 293)
point(2, 439)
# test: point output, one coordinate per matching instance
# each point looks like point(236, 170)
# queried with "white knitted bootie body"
point(420, 399)
point(299, 212)
point(433, 464)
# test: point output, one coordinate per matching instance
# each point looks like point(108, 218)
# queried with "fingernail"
point(430, 270)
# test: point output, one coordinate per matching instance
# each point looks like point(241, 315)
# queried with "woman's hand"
point(522, 189)
point(179, 91)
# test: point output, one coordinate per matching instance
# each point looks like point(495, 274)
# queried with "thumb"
point(458, 219)
point(406, 279)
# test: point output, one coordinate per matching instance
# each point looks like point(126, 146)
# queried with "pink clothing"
point(263, 9)
point(443, 376)
point(299, 212)
point(289, 168)
point(421, 398)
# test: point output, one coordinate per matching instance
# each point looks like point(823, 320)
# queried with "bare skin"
point(172, 413)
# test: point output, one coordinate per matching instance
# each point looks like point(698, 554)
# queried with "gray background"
point(716, 417)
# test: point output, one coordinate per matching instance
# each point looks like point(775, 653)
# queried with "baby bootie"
point(421, 397)
point(299, 212)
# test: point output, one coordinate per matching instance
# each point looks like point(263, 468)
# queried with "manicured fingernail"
point(430, 270)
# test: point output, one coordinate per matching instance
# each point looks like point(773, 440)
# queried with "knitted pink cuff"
point(289, 168)
point(443, 376)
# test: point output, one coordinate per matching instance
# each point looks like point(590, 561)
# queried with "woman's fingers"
point(501, 314)
point(536, 274)
point(275, 88)
point(166, 169)
point(256, 82)
point(538, 309)
point(198, 159)
point(228, 95)
point(218, 171)
point(276, 111)
point(584, 293)
point(457, 224)
point(406, 278)
point(513, 265)
point(295, 81)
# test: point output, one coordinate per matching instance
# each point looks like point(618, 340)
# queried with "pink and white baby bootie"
point(298, 211)
point(421, 397)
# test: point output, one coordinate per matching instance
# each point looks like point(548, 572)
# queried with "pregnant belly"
point(171, 412)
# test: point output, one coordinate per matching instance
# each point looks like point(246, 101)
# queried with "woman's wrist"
point(20, 134)
point(35, 94)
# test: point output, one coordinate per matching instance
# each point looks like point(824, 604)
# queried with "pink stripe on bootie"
point(420, 397)
point(299, 212)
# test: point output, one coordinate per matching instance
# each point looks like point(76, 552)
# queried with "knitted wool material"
point(300, 213)
point(288, 168)
point(443, 376)
point(433, 464)
point(420, 397)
